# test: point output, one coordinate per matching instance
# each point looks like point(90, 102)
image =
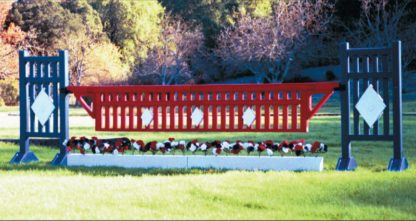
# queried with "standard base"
point(398, 164)
point(187, 162)
point(60, 160)
point(24, 158)
point(347, 164)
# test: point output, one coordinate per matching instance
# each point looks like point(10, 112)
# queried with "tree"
point(47, 19)
point(214, 16)
point(4, 9)
point(68, 24)
point(267, 46)
point(10, 39)
point(168, 62)
point(131, 25)
point(103, 65)
point(380, 23)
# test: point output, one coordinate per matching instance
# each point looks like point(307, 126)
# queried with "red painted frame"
point(225, 105)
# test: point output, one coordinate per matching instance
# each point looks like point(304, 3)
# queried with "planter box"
point(185, 162)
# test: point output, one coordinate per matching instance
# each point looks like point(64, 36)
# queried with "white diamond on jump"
point(42, 107)
point(370, 106)
point(249, 116)
point(197, 116)
point(147, 116)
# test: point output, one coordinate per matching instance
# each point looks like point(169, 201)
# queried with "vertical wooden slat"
point(276, 110)
point(267, 111)
point(231, 102)
point(115, 111)
point(47, 90)
point(285, 117)
point(131, 110)
point(31, 96)
point(39, 87)
point(107, 110)
point(223, 110)
point(206, 110)
point(55, 95)
point(164, 102)
point(214, 109)
point(294, 111)
point(240, 110)
point(139, 99)
point(386, 97)
point(155, 100)
point(180, 107)
point(123, 110)
point(355, 95)
point(258, 109)
point(172, 110)
point(189, 110)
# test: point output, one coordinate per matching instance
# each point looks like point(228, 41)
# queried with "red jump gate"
point(271, 107)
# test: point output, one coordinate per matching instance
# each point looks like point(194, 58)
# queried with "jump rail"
point(275, 107)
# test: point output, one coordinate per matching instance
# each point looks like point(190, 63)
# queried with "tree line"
point(198, 41)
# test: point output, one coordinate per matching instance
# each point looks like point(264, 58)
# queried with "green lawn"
point(40, 191)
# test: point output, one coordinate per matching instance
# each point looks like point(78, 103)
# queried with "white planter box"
point(127, 161)
point(185, 162)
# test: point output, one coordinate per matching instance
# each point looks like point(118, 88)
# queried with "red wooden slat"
point(131, 112)
point(188, 110)
point(285, 117)
point(206, 110)
point(214, 110)
point(223, 111)
point(267, 111)
point(258, 110)
point(172, 110)
point(115, 112)
point(180, 117)
point(231, 124)
point(240, 110)
point(164, 118)
point(294, 112)
point(155, 99)
point(123, 112)
point(107, 111)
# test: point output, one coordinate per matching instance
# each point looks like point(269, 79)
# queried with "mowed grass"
point(40, 191)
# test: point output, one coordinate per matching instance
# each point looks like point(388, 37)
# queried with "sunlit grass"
point(41, 191)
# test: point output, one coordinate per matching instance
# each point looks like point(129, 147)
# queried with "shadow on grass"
point(104, 171)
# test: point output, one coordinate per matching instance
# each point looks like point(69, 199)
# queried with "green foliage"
point(134, 26)
point(9, 92)
point(103, 65)
point(90, 17)
point(47, 19)
point(217, 15)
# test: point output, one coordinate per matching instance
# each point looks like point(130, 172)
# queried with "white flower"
point(269, 152)
point(87, 146)
point(136, 146)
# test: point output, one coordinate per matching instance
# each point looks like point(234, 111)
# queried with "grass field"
point(40, 191)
